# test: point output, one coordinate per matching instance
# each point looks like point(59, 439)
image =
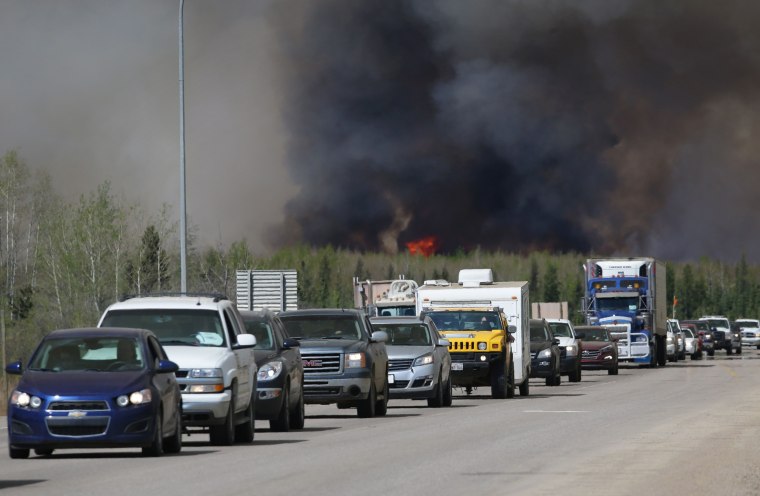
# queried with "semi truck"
point(385, 298)
point(627, 296)
point(481, 354)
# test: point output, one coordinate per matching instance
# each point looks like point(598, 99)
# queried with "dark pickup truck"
point(344, 362)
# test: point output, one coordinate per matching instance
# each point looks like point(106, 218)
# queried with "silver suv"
point(205, 336)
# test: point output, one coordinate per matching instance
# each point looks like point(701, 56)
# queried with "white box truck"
point(470, 346)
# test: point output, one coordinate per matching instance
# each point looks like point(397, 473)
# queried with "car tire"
point(156, 447)
point(448, 394)
point(499, 381)
point(173, 443)
point(710, 352)
point(613, 371)
point(661, 351)
point(366, 408)
point(282, 422)
point(381, 407)
point(729, 350)
point(224, 435)
point(298, 413)
point(245, 432)
point(511, 379)
point(43, 451)
point(437, 400)
point(575, 376)
point(17, 453)
point(739, 350)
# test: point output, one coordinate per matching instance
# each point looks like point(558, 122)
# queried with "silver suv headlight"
point(571, 350)
point(205, 373)
point(424, 359)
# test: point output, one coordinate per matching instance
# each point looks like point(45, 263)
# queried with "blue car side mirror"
point(14, 368)
point(166, 367)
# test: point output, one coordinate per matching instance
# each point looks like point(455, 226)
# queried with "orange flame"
point(424, 246)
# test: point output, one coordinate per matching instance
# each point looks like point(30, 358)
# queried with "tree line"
point(62, 263)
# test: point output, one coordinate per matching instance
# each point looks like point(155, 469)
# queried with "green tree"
point(551, 283)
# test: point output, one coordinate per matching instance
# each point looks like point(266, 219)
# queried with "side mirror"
point(555, 341)
point(379, 337)
point(444, 343)
point(14, 368)
point(166, 367)
point(245, 341)
point(512, 329)
point(290, 343)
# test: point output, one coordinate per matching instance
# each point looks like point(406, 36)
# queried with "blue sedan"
point(95, 388)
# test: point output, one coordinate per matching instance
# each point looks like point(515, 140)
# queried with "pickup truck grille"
point(400, 364)
point(315, 363)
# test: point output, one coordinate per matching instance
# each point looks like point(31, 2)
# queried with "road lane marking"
point(557, 411)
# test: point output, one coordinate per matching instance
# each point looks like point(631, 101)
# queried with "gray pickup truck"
point(344, 362)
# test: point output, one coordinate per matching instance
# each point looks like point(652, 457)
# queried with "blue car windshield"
point(98, 354)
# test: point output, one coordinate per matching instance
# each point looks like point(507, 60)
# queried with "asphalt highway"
point(689, 428)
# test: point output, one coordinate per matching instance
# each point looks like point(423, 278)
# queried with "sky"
point(612, 127)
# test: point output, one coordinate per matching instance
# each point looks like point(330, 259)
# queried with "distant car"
point(599, 349)
point(544, 353)
point(570, 348)
point(674, 328)
point(279, 389)
point(95, 388)
point(345, 363)
point(725, 338)
point(702, 328)
point(693, 348)
point(750, 332)
point(419, 364)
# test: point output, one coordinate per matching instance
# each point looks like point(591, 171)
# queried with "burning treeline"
point(595, 125)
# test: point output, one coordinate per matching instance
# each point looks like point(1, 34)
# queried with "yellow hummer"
point(480, 344)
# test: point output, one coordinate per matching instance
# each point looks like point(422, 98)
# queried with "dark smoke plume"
point(605, 126)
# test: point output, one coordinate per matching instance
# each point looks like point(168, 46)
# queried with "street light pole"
point(182, 182)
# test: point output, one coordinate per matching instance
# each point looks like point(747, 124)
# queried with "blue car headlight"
point(25, 400)
point(545, 353)
point(137, 398)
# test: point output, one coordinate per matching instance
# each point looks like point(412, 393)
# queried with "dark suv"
point(544, 353)
point(280, 371)
point(344, 361)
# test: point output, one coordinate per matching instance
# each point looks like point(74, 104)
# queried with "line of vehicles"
point(155, 367)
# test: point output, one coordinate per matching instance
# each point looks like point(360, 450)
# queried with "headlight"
point(571, 350)
point(545, 353)
point(137, 398)
point(356, 360)
point(24, 400)
point(205, 388)
point(425, 359)
point(269, 371)
point(669, 340)
point(205, 373)
point(482, 346)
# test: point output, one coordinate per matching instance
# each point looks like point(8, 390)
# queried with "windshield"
point(747, 324)
point(405, 334)
point(627, 304)
point(561, 329)
point(594, 334)
point(470, 320)
point(687, 332)
point(323, 327)
point(538, 333)
point(91, 354)
point(718, 323)
point(175, 327)
point(263, 332)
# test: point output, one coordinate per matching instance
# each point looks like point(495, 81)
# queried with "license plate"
point(457, 366)
point(391, 379)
